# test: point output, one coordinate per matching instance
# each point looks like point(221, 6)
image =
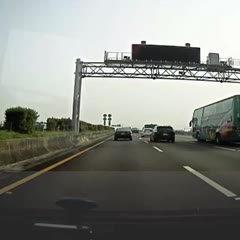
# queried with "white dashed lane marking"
point(228, 149)
point(158, 149)
point(210, 182)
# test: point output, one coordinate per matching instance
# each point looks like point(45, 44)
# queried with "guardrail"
point(23, 153)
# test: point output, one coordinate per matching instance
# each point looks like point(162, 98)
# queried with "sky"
point(41, 40)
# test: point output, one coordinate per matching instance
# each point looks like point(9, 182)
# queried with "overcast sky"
point(40, 41)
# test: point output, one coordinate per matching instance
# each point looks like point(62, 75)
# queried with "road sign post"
point(77, 96)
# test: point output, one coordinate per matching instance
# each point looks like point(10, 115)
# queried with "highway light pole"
point(109, 119)
point(104, 119)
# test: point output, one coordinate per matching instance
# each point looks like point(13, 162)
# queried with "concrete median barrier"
point(23, 154)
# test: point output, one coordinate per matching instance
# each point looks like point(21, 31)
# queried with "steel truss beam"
point(161, 71)
point(130, 69)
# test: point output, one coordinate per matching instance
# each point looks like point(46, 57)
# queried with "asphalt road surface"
point(135, 176)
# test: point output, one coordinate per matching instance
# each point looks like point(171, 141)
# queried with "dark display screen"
point(165, 53)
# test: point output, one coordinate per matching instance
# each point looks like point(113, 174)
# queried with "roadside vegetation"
point(22, 123)
point(6, 135)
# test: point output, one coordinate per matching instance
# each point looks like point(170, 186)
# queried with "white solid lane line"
point(50, 225)
point(211, 182)
point(229, 149)
point(158, 149)
point(146, 141)
point(237, 198)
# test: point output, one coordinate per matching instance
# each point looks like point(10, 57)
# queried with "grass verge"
point(5, 135)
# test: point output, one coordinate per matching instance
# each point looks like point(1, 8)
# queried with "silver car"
point(146, 132)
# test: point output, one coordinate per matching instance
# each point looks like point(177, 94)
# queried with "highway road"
point(136, 175)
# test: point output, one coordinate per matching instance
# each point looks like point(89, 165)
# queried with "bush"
point(63, 124)
point(84, 126)
point(20, 119)
point(51, 124)
point(100, 127)
point(39, 126)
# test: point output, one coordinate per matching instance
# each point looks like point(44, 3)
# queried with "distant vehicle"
point(219, 121)
point(123, 133)
point(135, 130)
point(146, 132)
point(116, 126)
point(152, 126)
point(163, 133)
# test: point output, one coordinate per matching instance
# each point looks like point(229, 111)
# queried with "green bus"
point(219, 121)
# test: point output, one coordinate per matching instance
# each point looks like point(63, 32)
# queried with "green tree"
point(62, 124)
point(20, 119)
point(51, 124)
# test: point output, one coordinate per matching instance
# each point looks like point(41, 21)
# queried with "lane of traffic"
point(204, 156)
point(122, 155)
point(220, 165)
point(120, 175)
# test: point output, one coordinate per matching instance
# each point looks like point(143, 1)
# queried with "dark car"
point(163, 133)
point(135, 130)
point(124, 133)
